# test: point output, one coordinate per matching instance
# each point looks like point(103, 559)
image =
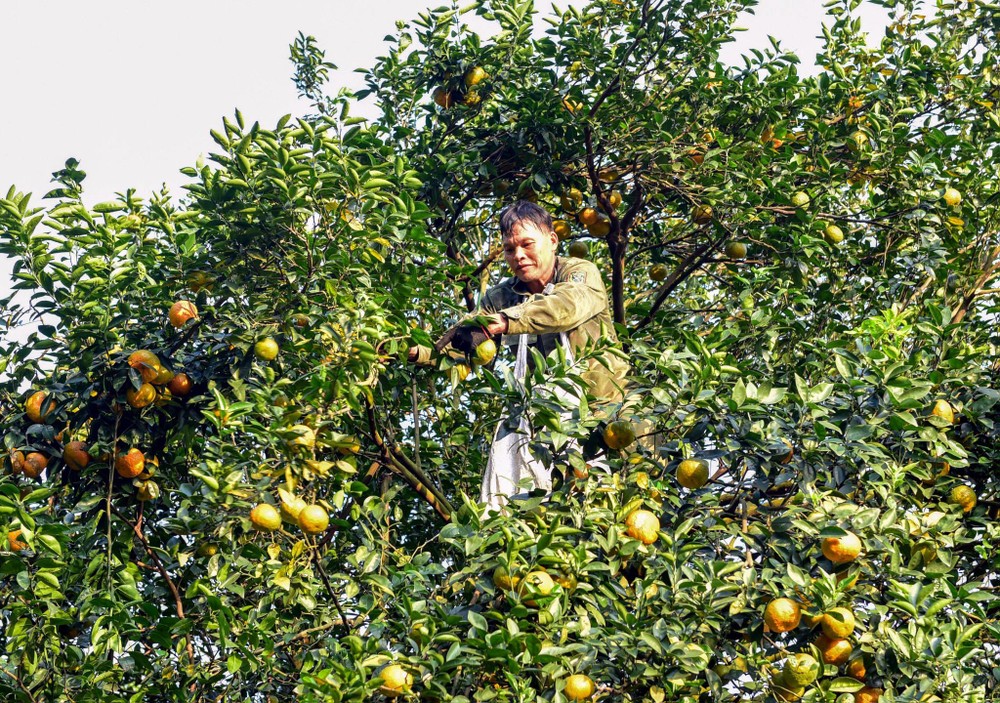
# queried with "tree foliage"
point(806, 370)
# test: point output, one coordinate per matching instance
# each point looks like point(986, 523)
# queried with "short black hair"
point(524, 211)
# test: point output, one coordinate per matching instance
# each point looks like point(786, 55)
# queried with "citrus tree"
point(223, 482)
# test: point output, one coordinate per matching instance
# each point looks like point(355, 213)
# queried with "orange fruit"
point(443, 97)
point(800, 670)
point(838, 623)
point(692, 473)
point(943, 410)
point(34, 464)
point(599, 228)
point(75, 455)
point(868, 695)
point(619, 434)
point(659, 272)
point(833, 234)
point(643, 526)
point(142, 396)
point(395, 680)
point(181, 312)
point(614, 198)
point(587, 216)
point(474, 76)
point(265, 517)
point(180, 385)
point(841, 550)
point(579, 250)
point(148, 490)
point(146, 363)
point(131, 463)
point(784, 692)
point(951, 197)
point(304, 438)
point(856, 668)
point(578, 687)
point(835, 651)
point(561, 228)
point(963, 496)
point(33, 407)
point(313, 519)
point(14, 540)
point(782, 615)
point(16, 462)
point(198, 280)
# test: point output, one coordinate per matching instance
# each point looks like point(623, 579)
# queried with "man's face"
point(531, 254)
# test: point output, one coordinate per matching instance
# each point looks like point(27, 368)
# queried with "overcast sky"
point(131, 89)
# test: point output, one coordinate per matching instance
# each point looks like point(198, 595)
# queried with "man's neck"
point(539, 285)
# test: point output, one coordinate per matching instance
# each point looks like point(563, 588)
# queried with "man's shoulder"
point(576, 270)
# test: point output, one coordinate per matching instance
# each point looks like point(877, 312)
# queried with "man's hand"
point(468, 337)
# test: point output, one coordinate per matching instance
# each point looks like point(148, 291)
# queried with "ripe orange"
point(14, 540)
point(34, 464)
point(474, 76)
point(265, 517)
point(313, 519)
point(142, 396)
point(443, 97)
point(614, 198)
point(838, 623)
point(33, 407)
point(943, 410)
point(578, 687)
point(868, 695)
point(146, 363)
point(692, 473)
point(587, 216)
point(619, 434)
point(131, 463)
point(782, 615)
point(395, 680)
point(643, 526)
point(181, 312)
point(963, 496)
point(599, 228)
point(75, 455)
point(951, 197)
point(561, 228)
point(841, 550)
point(16, 462)
point(834, 651)
point(180, 385)
point(290, 507)
point(856, 668)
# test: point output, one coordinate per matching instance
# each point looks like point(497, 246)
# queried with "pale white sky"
point(131, 89)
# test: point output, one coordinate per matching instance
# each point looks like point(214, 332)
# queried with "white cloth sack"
point(510, 460)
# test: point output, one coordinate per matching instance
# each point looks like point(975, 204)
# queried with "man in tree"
point(550, 302)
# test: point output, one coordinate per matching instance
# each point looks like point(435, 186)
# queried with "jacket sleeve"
point(571, 303)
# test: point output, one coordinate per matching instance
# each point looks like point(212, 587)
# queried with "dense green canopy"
point(838, 372)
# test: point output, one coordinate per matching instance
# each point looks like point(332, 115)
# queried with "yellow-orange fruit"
point(578, 687)
point(838, 623)
point(146, 363)
point(841, 550)
point(313, 519)
point(34, 464)
point(643, 526)
point(395, 680)
point(36, 408)
point(835, 651)
point(619, 434)
point(265, 517)
point(782, 615)
point(587, 216)
point(868, 695)
point(14, 540)
point(142, 396)
point(181, 312)
point(131, 463)
point(75, 455)
point(180, 385)
point(857, 669)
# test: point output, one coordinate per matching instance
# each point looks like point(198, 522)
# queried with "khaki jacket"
point(576, 305)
